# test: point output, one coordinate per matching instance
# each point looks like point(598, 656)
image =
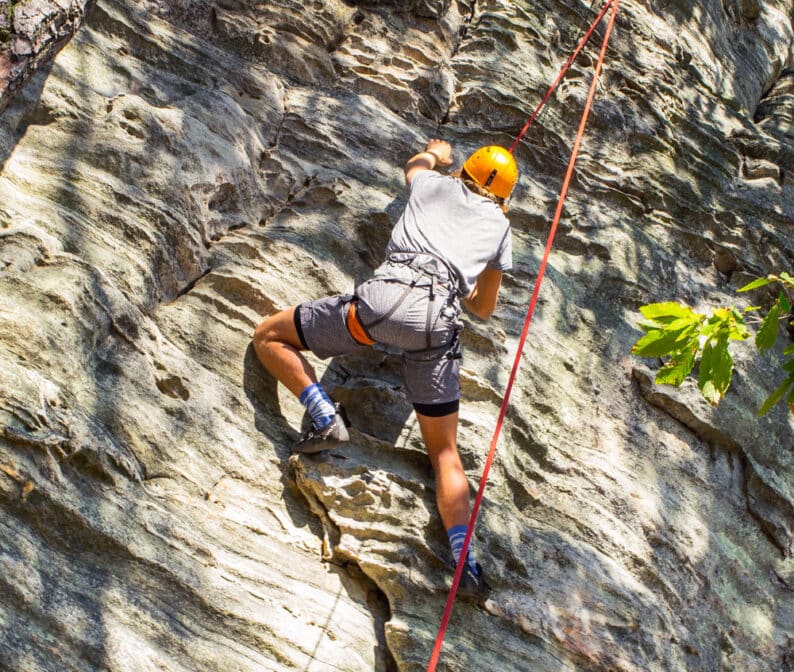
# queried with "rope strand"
point(564, 70)
point(541, 272)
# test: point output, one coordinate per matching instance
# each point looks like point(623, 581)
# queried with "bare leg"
point(452, 487)
point(278, 347)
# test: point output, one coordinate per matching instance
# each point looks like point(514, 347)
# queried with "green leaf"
point(788, 366)
point(650, 326)
point(714, 325)
point(722, 314)
point(785, 277)
point(776, 396)
point(679, 367)
point(739, 332)
point(705, 374)
point(767, 333)
point(737, 329)
point(716, 371)
point(789, 350)
point(758, 282)
point(709, 391)
point(726, 321)
point(785, 304)
point(710, 329)
point(723, 369)
point(667, 310)
point(661, 342)
point(654, 344)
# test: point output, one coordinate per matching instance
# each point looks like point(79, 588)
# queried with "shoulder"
point(428, 176)
point(493, 213)
point(433, 183)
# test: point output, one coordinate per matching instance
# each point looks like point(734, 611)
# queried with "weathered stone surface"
point(31, 33)
point(759, 169)
point(185, 168)
point(775, 114)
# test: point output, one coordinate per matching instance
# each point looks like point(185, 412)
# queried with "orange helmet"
point(493, 168)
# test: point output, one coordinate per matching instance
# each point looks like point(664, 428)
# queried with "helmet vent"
point(490, 179)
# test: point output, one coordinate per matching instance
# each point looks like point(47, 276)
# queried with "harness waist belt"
point(355, 327)
point(443, 271)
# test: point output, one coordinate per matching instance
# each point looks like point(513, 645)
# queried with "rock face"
point(31, 32)
point(185, 168)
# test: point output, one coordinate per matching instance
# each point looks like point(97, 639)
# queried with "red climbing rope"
point(533, 301)
point(564, 70)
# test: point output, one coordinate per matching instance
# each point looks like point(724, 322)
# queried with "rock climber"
point(449, 248)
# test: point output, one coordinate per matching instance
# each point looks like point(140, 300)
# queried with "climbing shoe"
point(473, 586)
point(333, 434)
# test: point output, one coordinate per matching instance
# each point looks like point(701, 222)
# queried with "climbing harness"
point(422, 269)
point(533, 301)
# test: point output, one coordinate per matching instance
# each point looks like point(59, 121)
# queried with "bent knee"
point(267, 332)
point(278, 328)
point(263, 332)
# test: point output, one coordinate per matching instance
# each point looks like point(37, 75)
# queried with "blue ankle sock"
point(318, 404)
point(456, 536)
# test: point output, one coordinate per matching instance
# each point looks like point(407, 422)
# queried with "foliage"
point(686, 339)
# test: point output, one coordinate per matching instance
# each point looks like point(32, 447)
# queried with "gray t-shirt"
point(444, 217)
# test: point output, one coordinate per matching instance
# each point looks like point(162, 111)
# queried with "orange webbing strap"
point(355, 327)
point(541, 271)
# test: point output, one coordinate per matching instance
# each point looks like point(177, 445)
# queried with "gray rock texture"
point(183, 169)
point(31, 33)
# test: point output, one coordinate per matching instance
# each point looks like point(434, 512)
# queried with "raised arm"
point(482, 300)
point(436, 153)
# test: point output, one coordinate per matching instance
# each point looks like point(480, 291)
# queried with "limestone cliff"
point(182, 169)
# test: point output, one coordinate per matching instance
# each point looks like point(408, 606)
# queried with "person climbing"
point(449, 248)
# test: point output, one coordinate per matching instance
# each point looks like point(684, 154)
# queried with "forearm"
point(425, 160)
point(482, 300)
point(436, 153)
point(475, 304)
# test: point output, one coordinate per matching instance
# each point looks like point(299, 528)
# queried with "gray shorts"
point(431, 375)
